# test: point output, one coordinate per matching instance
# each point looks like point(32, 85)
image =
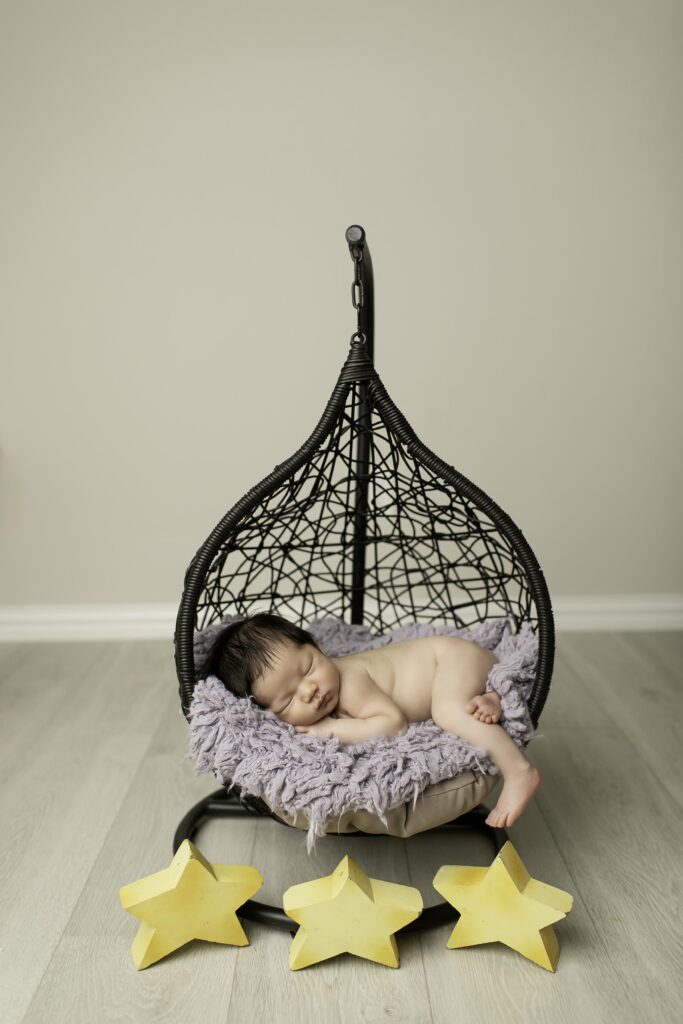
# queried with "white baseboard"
point(157, 621)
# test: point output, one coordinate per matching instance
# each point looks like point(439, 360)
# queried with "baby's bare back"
point(405, 671)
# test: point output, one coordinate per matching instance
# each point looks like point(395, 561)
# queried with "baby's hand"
point(321, 728)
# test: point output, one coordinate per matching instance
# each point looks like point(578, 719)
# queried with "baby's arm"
point(355, 730)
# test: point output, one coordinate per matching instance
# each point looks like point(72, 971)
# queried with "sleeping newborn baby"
point(374, 693)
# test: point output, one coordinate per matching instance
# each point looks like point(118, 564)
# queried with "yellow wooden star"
point(190, 899)
point(502, 903)
point(347, 912)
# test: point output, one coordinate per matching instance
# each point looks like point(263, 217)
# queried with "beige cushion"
point(437, 804)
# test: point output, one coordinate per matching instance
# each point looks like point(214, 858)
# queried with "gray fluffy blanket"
point(245, 745)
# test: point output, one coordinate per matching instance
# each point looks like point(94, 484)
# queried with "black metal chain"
point(357, 293)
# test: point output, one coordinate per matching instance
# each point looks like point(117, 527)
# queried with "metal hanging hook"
point(362, 284)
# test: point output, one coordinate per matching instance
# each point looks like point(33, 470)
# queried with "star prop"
point(502, 903)
point(190, 899)
point(347, 912)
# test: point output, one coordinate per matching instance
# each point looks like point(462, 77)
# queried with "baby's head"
point(279, 665)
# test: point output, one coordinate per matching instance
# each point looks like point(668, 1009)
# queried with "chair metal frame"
point(512, 581)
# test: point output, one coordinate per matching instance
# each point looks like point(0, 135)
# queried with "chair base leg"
point(221, 804)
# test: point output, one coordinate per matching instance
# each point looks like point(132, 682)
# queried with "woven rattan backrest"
point(366, 524)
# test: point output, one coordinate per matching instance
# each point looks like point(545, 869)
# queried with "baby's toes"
point(472, 708)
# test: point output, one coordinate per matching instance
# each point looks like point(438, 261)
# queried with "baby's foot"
point(518, 789)
point(486, 707)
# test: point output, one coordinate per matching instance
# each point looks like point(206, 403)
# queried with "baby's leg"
point(456, 683)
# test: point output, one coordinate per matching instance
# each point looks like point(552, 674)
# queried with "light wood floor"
point(95, 783)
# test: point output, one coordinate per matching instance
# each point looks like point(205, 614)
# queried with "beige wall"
point(176, 179)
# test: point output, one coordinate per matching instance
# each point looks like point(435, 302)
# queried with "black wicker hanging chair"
point(366, 524)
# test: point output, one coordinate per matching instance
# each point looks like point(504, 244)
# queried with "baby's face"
point(302, 687)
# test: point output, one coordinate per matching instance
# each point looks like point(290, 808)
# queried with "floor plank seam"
point(584, 902)
point(103, 847)
point(638, 751)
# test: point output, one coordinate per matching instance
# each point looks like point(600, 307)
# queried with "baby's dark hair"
point(244, 649)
